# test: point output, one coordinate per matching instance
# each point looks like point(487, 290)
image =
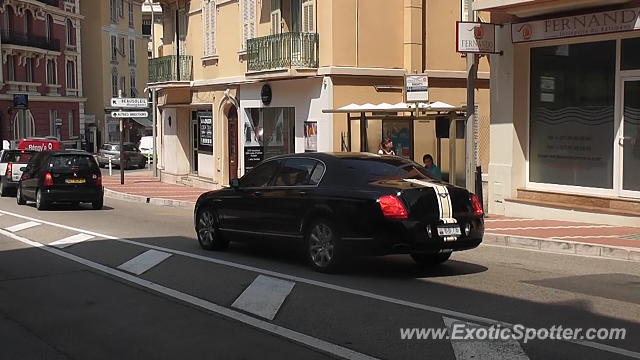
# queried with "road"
point(130, 282)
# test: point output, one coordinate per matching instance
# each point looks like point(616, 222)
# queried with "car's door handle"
point(257, 194)
point(303, 193)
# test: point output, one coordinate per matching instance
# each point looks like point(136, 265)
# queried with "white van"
point(146, 146)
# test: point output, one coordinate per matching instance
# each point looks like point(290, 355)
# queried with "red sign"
point(39, 144)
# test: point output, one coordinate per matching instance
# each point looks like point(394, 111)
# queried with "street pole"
point(153, 94)
point(471, 141)
point(122, 160)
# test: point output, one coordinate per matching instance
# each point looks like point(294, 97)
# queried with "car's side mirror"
point(24, 168)
point(235, 184)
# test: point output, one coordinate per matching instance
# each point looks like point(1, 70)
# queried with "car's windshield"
point(375, 169)
point(110, 147)
point(16, 157)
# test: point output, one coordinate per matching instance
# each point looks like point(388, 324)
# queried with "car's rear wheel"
point(325, 252)
point(41, 203)
point(97, 205)
point(19, 197)
point(208, 233)
point(431, 259)
point(3, 191)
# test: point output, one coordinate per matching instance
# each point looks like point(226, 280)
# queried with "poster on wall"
point(205, 122)
point(310, 136)
point(253, 155)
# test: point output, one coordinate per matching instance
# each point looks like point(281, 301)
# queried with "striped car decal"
point(444, 202)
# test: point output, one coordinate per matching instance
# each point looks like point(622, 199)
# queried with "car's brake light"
point(392, 207)
point(98, 179)
point(48, 179)
point(9, 170)
point(477, 205)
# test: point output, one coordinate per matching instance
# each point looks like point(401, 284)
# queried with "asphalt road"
point(131, 282)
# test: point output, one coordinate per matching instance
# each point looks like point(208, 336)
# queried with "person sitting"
point(432, 169)
point(386, 147)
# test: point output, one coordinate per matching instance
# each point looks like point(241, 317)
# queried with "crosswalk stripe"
point(483, 349)
point(73, 239)
point(145, 261)
point(23, 226)
point(264, 296)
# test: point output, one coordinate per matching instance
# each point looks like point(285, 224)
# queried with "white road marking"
point(315, 343)
point(71, 240)
point(590, 237)
point(264, 296)
point(472, 349)
point(435, 309)
point(506, 220)
point(555, 227)
point(23, 226)
point(144, 262)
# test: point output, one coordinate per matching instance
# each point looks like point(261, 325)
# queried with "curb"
point(563, 247)
point(148, 200)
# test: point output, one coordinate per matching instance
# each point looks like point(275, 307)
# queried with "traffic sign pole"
point(126, 103)
point(122, 160)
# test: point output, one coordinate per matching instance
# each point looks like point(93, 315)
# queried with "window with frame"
point(70, 123)
point(52, 72)
point(133, 85)
point(69, 30)
point(114, 48)
point(53, 115)
point(29, 69)
point(71, 75)
point(114, 10)
point(49, 25)
point(209, 27)
point(132, 51)
point(123, 84)
point(11, 68)
point(248, 21)
point(308, 23)
point(114, 82)
point(121, 8)
point(121, 48)
point(131, 22)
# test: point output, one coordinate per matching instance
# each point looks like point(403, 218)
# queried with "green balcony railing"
point(171, 68)
point(284, 50)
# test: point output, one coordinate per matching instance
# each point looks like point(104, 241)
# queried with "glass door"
point(629, 139)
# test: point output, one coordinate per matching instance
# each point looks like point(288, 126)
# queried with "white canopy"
point(399, 107)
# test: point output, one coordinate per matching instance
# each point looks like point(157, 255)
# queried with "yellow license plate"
point(75, 181)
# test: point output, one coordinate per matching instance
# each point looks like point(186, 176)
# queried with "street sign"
point(416, 88)
point(130, 102)
point(129, 114)
point(476, 37)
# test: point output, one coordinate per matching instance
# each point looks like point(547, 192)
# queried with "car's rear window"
point(385, 169)
point(110, 147)
point(69, 161)
point(16, 157)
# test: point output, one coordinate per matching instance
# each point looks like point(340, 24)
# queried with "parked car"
point(11, 161)
point(146, 147)
point(61, 176)
point(341, 204)
point(132, 155)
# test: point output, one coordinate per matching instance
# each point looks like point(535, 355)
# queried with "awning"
point(144, 122)
point(394, 108)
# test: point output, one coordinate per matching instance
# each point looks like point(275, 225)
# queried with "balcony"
point(55, 3)
point(282, 51)
point(171, 68)
point(12, 37)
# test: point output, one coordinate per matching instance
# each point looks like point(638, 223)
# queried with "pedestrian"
point(386, 147)
point(432, 169)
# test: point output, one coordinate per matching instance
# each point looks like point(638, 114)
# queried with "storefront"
point(566, 106)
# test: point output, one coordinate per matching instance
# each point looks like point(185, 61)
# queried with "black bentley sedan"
point(343, 204)
point(61, 176)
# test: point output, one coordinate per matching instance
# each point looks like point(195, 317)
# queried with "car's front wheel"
point(41, 203)
point(3, 191)
point(431, 259)
point(325, 252)
point(19, 197)
point(208, 233)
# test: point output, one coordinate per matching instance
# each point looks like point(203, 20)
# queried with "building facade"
point(41, 58)
point(242, 80)
point(115, 61)
point(152, 26)
point(565, 107)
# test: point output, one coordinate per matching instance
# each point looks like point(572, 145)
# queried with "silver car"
point(132, 155)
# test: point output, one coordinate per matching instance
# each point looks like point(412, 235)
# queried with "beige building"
point(565, 109)
point(242, 80)
point(114, 59)
point(152, 27)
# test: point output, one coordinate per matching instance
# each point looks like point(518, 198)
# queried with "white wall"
point(176, 160)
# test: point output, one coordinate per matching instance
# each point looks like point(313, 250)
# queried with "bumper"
point(105, 161)
point(89, 194)
point(9, 184)
point(405, 237)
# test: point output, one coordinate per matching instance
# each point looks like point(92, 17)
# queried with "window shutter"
point(248, 21)
point(308, 25)
point(209, 27)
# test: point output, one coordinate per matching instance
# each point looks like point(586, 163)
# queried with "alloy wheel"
point(321, 245)
point(207, 230)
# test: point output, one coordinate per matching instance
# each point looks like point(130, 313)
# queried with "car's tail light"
point(48, 179)
point(477, 205)
point(9, 170)
point(98, 180)
point(392, 207)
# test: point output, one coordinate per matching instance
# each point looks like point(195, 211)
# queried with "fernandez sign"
point(577, 25)
point(475, 37)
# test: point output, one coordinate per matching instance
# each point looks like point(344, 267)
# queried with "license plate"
point(75, 181)
point(449, 231)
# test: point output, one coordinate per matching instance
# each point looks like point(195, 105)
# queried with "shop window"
point(572, 114)
point(630, 59)
point(270, 131)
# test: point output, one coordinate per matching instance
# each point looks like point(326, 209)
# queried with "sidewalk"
point(566, 237)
